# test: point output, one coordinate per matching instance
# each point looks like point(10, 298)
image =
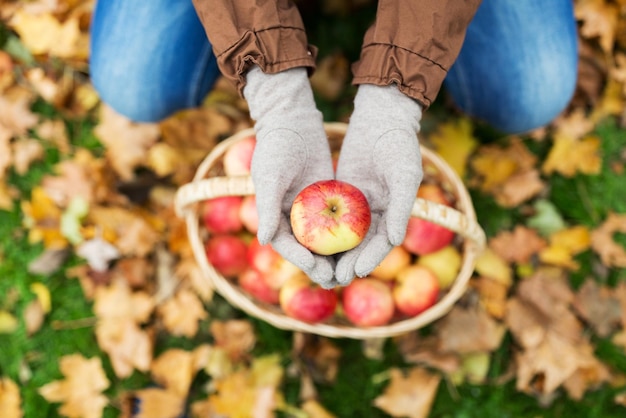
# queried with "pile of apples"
point(411, 278)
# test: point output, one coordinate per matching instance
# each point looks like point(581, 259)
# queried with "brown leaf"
point(10, 399)
point(319, 355)
point(467, 330)
point(15, 114)
point(235, 336)
point(33, 316)
point(25, 152)
point(129, 347)
point(611, 253)
point(175, 368)
point(519, 245)
point(599, 20)
point(417, 349)
point(409, 395)
point(520, 188)
point(182, 312)
point(81, 391)
point(599, 307)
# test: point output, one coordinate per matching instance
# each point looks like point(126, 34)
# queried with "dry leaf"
point(235, 336)
point(158, 403)
point(314, 409)
point(492, 265)
point(319, 355)
point(8, 322)
point(182, 313)
point(493, 295)
point(520, 188)
point(175, 369)
point(517, 246)
point(409, 395)
point(42, 217)
point(98, 253)
point(417, 349)
point(15, 114)
point(599, 20)
point(33, 316)
point(599, 307)
point(454, 142)
point(127, 143)
point(569, 156)
point(564, 245)
point(467, 330)
point(10, 399)
point(81, 391)
point(611, 253)
point(25, 152)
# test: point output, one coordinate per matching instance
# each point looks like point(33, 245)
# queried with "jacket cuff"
point(415, 76)
point(273, 50)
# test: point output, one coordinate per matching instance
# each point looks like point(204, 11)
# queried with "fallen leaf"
point(175, 369)
point(599, 307)
point(127, 143)
point(158, 403)
point(182, 313)
point(8, 322)
point(25, 152)
point(611, 253)
point(468, 330)
point(235, 336)
point(547, 219)
point(517, 246)
point(81, 391)
point(98, 253)
point(15, 114)
point(520, 188)
point(314, 409)
point(10, 399)
point(455, 142)
point(599, 20)
point(43, 295)
point(409, 395)
point(564, 245)
point(42, 218)
point(491, 264)
point(493, 295)
point(569, 156)
point(33, 316)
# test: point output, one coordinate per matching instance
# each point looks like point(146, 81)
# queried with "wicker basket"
point(210, 182)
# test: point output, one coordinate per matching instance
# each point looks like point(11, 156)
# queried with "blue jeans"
point(516, 71)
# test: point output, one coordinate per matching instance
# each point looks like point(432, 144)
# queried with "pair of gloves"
point(380, 155)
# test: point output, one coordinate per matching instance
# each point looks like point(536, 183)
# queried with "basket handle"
point(203, 189)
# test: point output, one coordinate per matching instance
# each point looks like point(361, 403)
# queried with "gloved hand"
point(291, 152)
point(380, 155)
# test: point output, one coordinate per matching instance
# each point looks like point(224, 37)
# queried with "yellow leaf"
point(564, 245)
point(181, 314)
point(490, 264)
point(175, 368)
point(599, 19)
point(43, 295)
point(8, 322)
point(81, 391)
point(42, 218)
point(454, 142)
point(568, 156)
point(10, 400)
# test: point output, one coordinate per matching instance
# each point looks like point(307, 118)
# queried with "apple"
point(248, 214)
point(445, 263)
point(368, 302)
point(330, 217)
point(276, 269)
point(238, 157)
point(227, 253)
point(416, 289)
point(220, 215)
point(253, 282)
point(394, 261)
point(302, 299)
point(423, 237)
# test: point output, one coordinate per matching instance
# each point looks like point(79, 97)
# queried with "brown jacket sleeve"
point(414, 43)
point(268, 33)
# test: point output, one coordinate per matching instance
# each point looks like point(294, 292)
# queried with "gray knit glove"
point(380, 155)
point(292, 152)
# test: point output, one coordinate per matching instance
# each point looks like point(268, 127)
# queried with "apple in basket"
point(416, 289)
point(275, 269)
point(304, 300)
point(423, 237)
point(227, 253)
point(330, 216)
point(220, 215)
point(238, 157)
point(254, 282)
point(368, 302)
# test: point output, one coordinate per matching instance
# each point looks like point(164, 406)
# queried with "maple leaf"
point(564, 245)
point(175, 368)
point(42, 218)
point(10, 399)
point(517, 246)
point(570, 156)
point(467, 330)
point(409, 395)
point(158, 403)
point(181, 314)
point(15, 114)
point(81, 390)
point(611, 253)
point(599, 19)
point(493, 295)
point(127, 143)
point(235, 336)
point(454, 142)
point(599, 307)
point(25, 152)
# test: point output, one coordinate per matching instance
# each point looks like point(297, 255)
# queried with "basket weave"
point(210, 182)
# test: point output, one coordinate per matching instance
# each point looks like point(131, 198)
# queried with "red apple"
point(253, 282)
point(368, 302)
point(330, 216)
point(423, 237)
point(227, 253)
point(302, 299)
point(238, 157)
point(416, 290)
point(221, 214)
point(276, 269)
point(248, 214)
point(394, 261)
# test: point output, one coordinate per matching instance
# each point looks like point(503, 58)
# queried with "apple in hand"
point(423, 237)
point(302, 299)
point(415, 290)
point(238, 157)
point(255, 283)
point(368, 302)
point(330, 216)
point(394, 261)
point(273, 266)
point(220, 215)
point(227, 254)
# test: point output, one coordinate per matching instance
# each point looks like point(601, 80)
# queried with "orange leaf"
point(158, 403)
point(175, 368)
point(409, 395)
point(182, 313)
point(602, 242)
point(235, 336)
point(569, 156)
point(81, 391)
point(519, 245)
point(10, 400)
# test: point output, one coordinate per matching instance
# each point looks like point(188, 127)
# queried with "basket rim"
point(464, 218)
